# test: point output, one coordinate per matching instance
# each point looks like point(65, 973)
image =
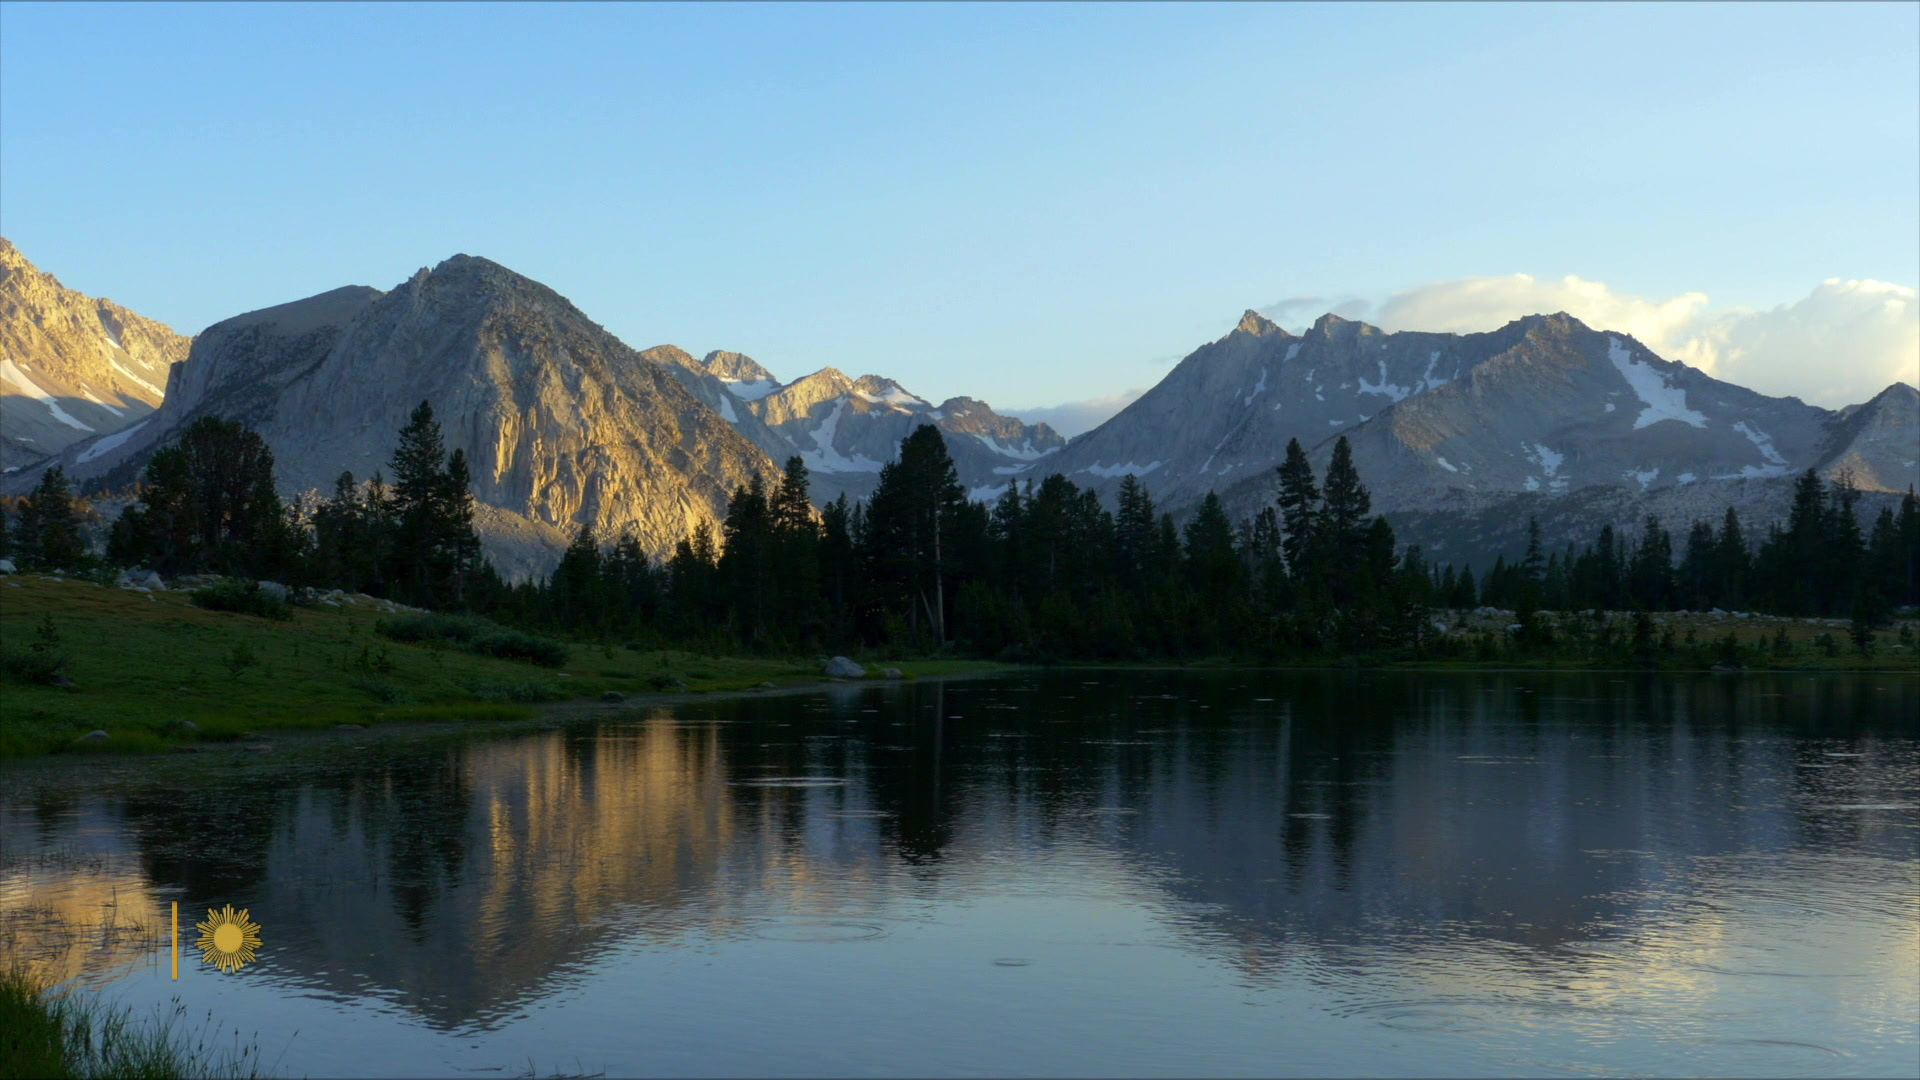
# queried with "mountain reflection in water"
point(1534, 870)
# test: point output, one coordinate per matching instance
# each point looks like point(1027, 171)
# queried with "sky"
point(1034, 205)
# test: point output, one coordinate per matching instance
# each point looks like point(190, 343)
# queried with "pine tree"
point(1298, 501)
point(1341, 524)
point(453, 516)
point(1213, 571)
point(1134, 525)
point(746, 560)
point(912, 522)
point(435, 547)
point(48, 535)
point(796, 553)
point(208, 503)
point(576, 590)
point(838, 565)
point(1732, 564)
point(1533, 566)
point(1907, 568)
point(1652, 568)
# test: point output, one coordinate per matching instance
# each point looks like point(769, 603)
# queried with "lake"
point(1068, 873)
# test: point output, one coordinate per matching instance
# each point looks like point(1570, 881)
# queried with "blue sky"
point(1028, 204)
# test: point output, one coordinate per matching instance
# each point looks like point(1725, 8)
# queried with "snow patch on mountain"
point(1111, 471)
point(1258, 388)
point(894, 396)
point(750, 389)
point(111, 442)
point(1383, 387)
point(135, 376)
point(1024, 452)
point(32, 389)
point(87, 393)
point(1761, 441)
point(1549, 461)
point(827, 459)
point(1662, 400)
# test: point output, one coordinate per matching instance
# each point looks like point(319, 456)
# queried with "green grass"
point(49, 1035)
point(142, 663)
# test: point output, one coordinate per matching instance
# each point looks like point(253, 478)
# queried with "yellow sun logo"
point(228, 939)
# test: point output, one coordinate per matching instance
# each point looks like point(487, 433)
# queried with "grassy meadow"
point(142, 663)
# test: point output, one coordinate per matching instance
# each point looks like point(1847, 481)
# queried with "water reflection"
point(1559, 870)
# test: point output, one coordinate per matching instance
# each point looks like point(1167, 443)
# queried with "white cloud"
point(1073, 417)
point(1842, 343)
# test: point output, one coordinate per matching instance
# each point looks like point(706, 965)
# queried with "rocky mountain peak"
point(736, 367)
point(876, 390)
point(1331, 327)
point(72, 366)
point(563, 424)
point(1258, 325)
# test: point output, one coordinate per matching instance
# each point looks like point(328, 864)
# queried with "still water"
point(1067, 874)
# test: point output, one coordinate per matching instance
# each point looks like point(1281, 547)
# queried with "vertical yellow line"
point(176, 941)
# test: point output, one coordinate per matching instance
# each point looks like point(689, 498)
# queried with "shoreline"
point(556, 714)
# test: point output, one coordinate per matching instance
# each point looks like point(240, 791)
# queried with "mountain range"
point(1458, 435)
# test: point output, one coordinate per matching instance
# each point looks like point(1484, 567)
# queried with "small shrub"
point(525, 691)
point(384, 693)
point(514, 645)
point(240, 659)
point(433, 626)
point(45, 669)
point(243, 597)
point(475, 635)
point(44, 662)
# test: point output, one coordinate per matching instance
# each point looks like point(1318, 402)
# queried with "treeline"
point(1819, 562)
point(1044, 571)
point(208, 504)
point(1048, 571)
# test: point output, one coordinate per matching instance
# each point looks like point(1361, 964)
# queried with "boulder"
point(768, 686)
point(842, 668)
point(890, 673)
point(613, 697)
point(274, 589)
point(93, 736)
point(6, 567)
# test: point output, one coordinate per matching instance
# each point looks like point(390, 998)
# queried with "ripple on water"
point(793, 782)
point(818, 930)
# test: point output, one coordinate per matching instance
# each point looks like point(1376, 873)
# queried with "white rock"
point(842, 668)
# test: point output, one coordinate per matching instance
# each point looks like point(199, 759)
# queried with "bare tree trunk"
point(939, 584)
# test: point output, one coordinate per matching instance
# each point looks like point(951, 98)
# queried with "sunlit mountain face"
point(1565, 870)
